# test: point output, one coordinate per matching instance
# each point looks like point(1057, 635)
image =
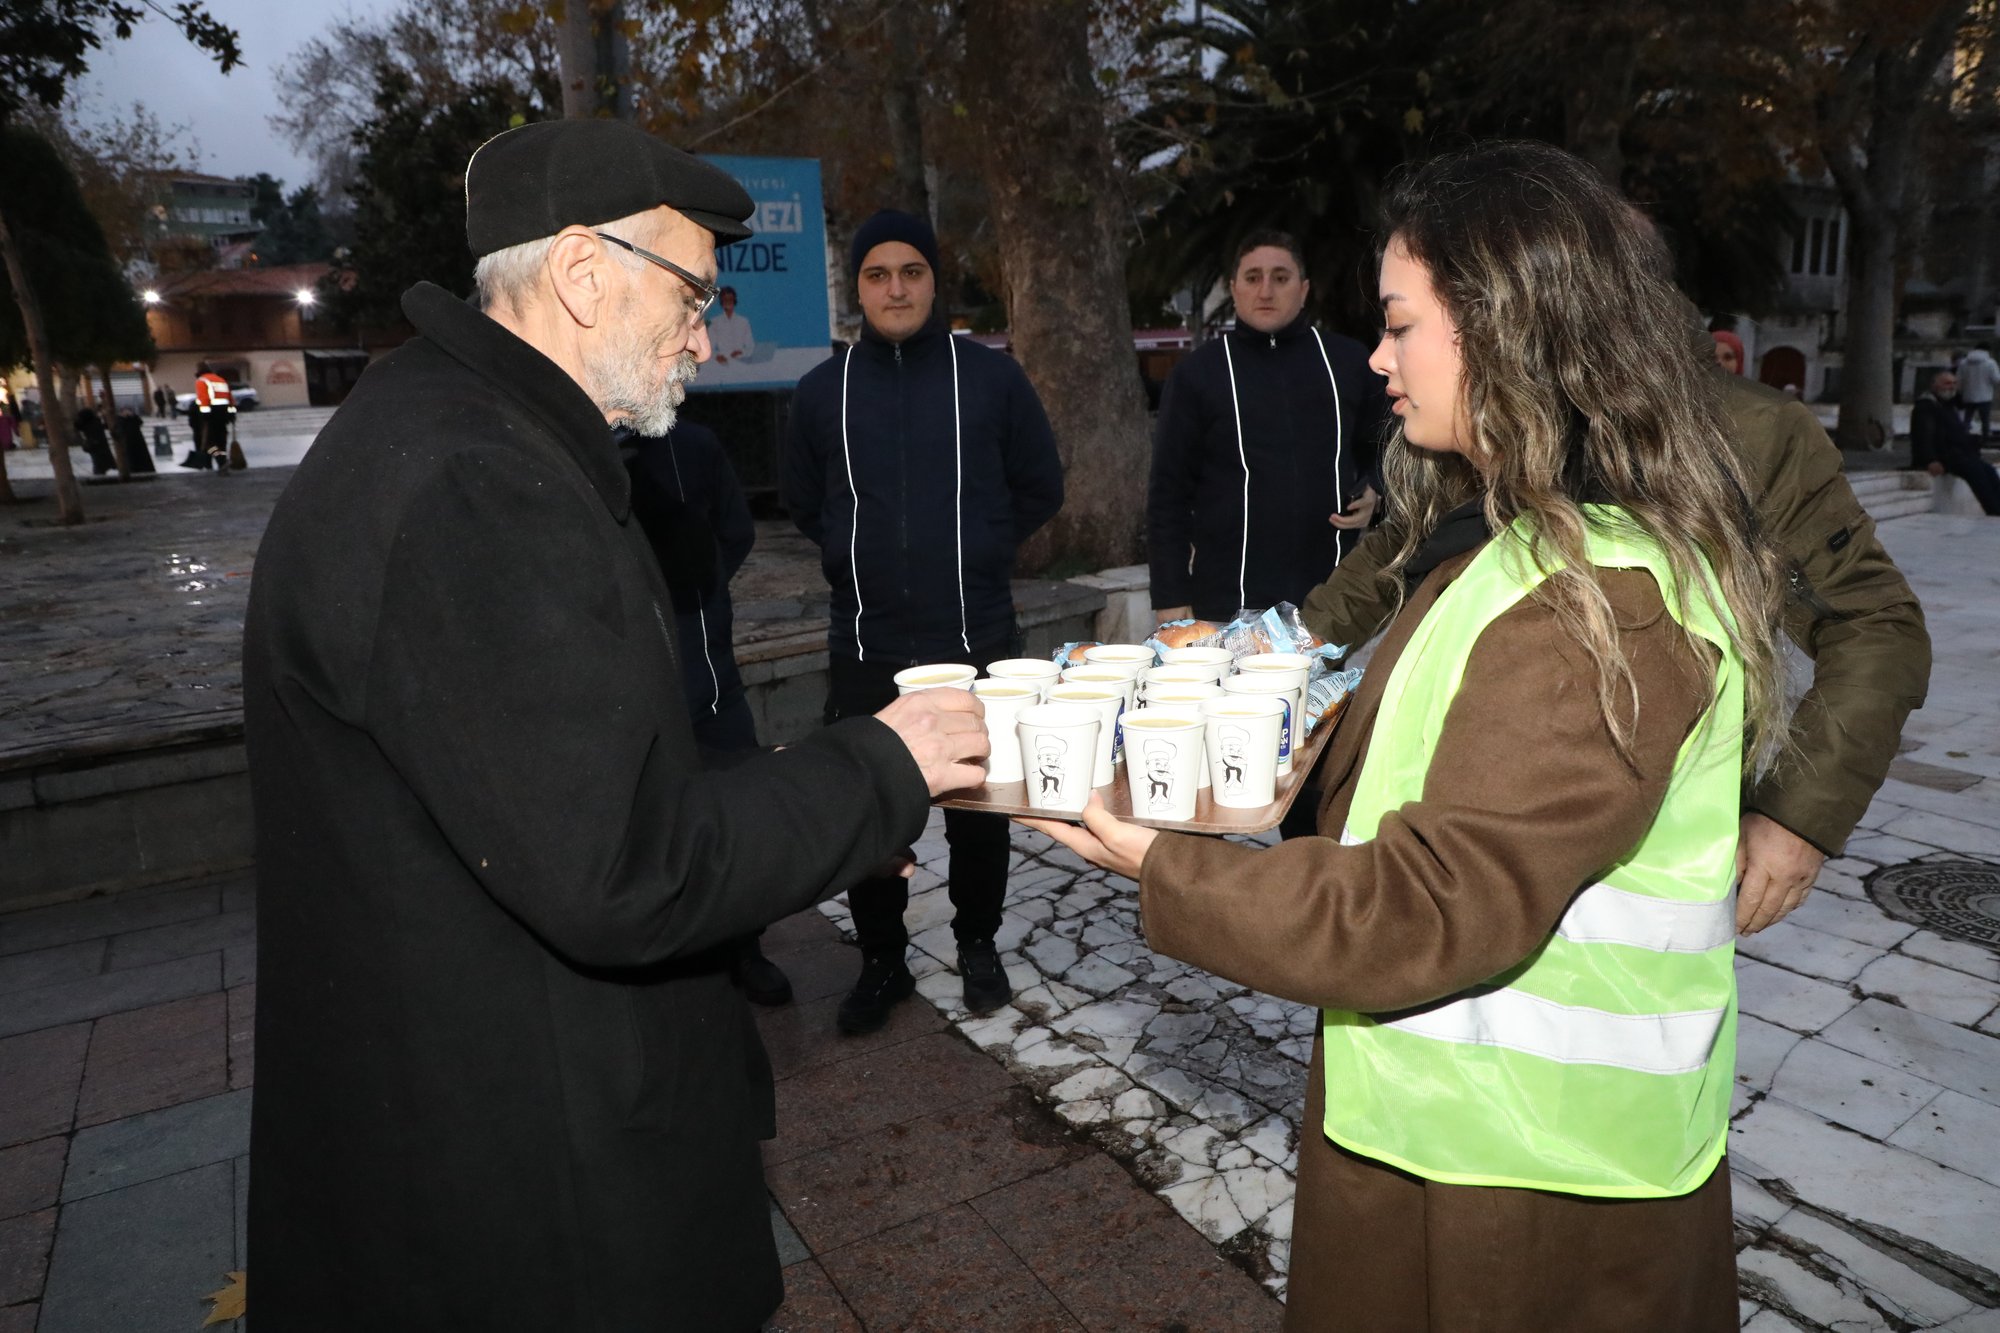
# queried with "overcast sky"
point(229, 116)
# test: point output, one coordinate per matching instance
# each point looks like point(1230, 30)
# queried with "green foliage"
point(296, 230)
point(89, 310)
point(409, 192)
point(46, 44)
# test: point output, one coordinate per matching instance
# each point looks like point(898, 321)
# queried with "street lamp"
point(307, 296)
point(150, 297)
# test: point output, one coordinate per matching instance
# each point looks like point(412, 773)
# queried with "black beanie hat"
point(890, 225)
point(535, 180)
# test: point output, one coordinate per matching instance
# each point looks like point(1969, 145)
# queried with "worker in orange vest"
point(211, 416)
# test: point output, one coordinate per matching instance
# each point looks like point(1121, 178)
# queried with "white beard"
point(621, 385)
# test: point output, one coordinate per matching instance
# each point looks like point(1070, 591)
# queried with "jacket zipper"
point(903, 491)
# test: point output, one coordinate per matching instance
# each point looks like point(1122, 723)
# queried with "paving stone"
point(1779, 1280)
point(31, 1176)
point(1960, 955)
point(159, 1143)
point(111, 993)
point(865, 1094)
point(1952, 1057)
point(1883, 1277)
point(811, 1304)
point(1760, 1048)
point(40, 1072)
point(1850, 1090)
point(1961, 1132)
point(142, 1259)
point(1978, 1321)
point(941, 1274)
point(1811, 952)
point(1881, 849)
point(1928, 988)
point(1754, 1206)
point(242, 1054)
point(1875, 1184)
point(24, 1255)
point(155, 1057)
point(20, 1318)
point(68, 923)
point(182, 939)
point(791, 1249)
point(241, 1180)
point(1960, 835)
point(1863, 922)
point(1803, 1004)
point(50, 966)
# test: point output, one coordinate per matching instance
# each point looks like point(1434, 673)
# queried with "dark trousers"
point(1978, 474)
point(1984, 411)
point(979, 849)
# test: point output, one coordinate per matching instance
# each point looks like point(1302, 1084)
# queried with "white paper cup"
point(943, 676)
point(1058, 748)
point(1106, 703)
point(1123, 677)
point(1119, 654)
point(1043, 674)
point(1217, 661)
point(1003, 701)
point(1290, 685)
point(1242, 747)
point(1185, 698)
point(1164, 762)
point(1174, 675)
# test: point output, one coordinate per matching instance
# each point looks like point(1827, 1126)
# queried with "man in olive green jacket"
point(1847, 607)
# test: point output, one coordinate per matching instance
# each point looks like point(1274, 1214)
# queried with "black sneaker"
point(986, 986)
point(884, 980)
point(762, 980)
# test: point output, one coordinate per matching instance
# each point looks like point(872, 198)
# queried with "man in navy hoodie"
point(919, 463)
point(1263, 451)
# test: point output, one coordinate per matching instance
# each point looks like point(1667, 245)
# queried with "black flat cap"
point(533, 181)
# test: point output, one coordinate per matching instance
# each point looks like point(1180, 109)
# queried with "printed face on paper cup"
point(1058, 747)
point(1107, 705)
point(1033, 669)
point(1119, 654)
point(1003, 701)
point(1164, 762)
point(1215, 661)
point(1243, 733)
point(945, 676)
point(1282, 686)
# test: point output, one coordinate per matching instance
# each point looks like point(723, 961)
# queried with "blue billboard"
point(771, 324)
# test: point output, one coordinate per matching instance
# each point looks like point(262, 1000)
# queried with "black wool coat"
point(505, 1080)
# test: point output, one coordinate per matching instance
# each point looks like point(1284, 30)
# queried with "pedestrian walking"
point(96, 441)
point(506, 1082)
point(1264, 450)
point(918, 463)
point(1519, 920)
point(212, 420)
point(1978, 374)
point(159, 401)
point(687, 498)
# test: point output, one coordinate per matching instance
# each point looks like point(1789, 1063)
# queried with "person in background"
point(1264, 450)
point(1978, 375)
point(96, 441)
point(210, 417)
point(159, 400)
point(1941, 442)
point(686, 496)
point(1728, 351)
point(1518, 921)
point(918, 463)
point(730, 332)
point(131, 434)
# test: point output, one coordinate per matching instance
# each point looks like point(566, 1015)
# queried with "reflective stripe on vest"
point(1602, 1063)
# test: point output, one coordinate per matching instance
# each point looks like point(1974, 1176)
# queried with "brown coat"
point(1847, 607)
point(1525, 801)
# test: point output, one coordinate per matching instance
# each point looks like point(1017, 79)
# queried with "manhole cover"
point(1959, 898)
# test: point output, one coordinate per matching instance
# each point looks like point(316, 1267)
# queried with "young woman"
point(1519, 920)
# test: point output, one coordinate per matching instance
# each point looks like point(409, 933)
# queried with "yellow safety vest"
point(1602, 1063)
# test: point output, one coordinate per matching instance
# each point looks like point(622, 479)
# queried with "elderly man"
point(918, 462)
point(1848, 608)
point(1263, 450)
point(1941, 442)
point(507, 1082)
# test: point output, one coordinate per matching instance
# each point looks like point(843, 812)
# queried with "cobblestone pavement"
point(1865, 1142)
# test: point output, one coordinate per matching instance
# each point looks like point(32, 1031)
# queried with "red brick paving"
point(155, 1057)
point(811, 1304)
point(40, 1072)
point(941, 1274)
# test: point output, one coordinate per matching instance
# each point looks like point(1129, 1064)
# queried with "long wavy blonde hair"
point(1582, 385)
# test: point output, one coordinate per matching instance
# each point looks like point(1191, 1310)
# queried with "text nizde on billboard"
point(771, 324)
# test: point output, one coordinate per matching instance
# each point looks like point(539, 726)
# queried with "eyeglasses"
point(705, 291)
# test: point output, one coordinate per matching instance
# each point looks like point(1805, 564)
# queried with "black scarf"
point(1456, 533)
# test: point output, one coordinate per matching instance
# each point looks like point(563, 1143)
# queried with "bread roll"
point(1182, 636)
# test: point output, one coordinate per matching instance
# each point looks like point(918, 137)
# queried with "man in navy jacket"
point(1264, 448)
point(919, 463)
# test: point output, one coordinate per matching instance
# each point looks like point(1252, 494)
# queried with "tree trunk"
point(596, 60)
point(904, 108)
point(1867, 387)
point(1057, 204)
point(111, 423)
point(69, 497)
